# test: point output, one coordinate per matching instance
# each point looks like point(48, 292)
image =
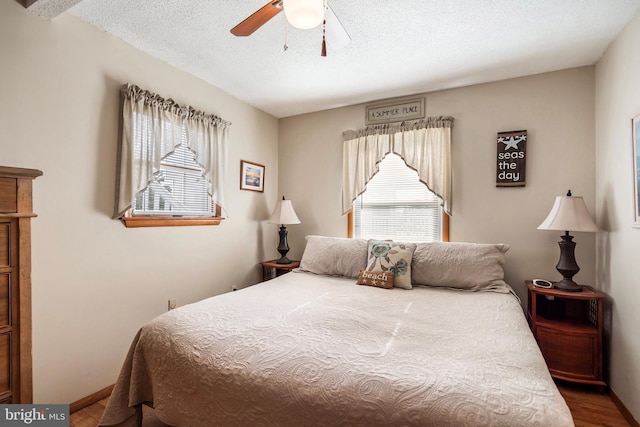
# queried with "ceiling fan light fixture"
point(304, 14)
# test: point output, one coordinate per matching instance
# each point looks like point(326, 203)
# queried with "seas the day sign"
point(511, 159)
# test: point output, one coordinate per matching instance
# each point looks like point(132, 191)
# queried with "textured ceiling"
point(398, 47)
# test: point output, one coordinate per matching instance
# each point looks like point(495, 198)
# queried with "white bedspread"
point(308, 350)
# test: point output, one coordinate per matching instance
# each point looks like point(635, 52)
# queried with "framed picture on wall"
point(636, 170)
point(251, 176)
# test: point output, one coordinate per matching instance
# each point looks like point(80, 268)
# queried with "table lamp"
point(569, 213)
point(283, 214)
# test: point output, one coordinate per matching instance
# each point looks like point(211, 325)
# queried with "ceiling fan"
point(303, 14)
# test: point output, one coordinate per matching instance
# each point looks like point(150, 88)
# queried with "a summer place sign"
point(398, 110)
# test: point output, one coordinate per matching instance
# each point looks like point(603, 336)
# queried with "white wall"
point(557, 110)
point(618, 244)
point(94, 281)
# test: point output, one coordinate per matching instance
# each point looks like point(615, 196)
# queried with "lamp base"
point(567, 285)
point(567, 265)
point(283, 247)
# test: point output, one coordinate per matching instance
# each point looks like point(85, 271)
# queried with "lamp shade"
point(284, 213)
point(304, 14)
point(569, 213)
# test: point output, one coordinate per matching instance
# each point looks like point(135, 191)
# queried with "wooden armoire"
point(16, 211)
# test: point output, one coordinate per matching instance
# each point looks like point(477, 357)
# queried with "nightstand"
point(271, 269)
point(568, 328)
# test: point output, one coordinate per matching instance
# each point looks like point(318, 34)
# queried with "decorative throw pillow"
point(379, 279)
point(387, 256)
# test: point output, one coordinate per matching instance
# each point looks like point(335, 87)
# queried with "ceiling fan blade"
point(257, 19)
point(336, 34)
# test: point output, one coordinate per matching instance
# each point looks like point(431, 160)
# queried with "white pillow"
point(471, 266)
point(334, 256)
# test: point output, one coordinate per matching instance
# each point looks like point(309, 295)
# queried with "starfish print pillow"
point(387, 256)
point(379, 279)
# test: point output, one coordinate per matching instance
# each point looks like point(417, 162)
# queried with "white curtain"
point(152, 128)
point(425, 146)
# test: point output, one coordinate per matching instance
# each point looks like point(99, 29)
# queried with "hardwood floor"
point(90, 416)
point(589, 408)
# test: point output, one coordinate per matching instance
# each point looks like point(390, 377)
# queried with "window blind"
point(397, 206)
point(179, 189)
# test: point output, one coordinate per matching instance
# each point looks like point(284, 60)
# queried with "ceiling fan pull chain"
point(286, 36)
point(324, 43)
point(324, 28)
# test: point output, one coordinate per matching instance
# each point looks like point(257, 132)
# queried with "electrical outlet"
point(172, 304)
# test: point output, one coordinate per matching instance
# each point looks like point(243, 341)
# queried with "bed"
point(320, 347)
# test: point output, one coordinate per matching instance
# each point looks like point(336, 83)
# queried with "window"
point(172, 164)
point(179, 189)
point(397, 206)
point(178, 193)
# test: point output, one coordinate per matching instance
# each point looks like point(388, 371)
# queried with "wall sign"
point(511, 159)
point(395, 111)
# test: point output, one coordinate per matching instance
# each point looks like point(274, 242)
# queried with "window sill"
point(168, 221)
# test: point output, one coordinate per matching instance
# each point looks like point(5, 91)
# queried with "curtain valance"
point(137, 95)
point(424, 145)
point(152, 127)
point(392, 128)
